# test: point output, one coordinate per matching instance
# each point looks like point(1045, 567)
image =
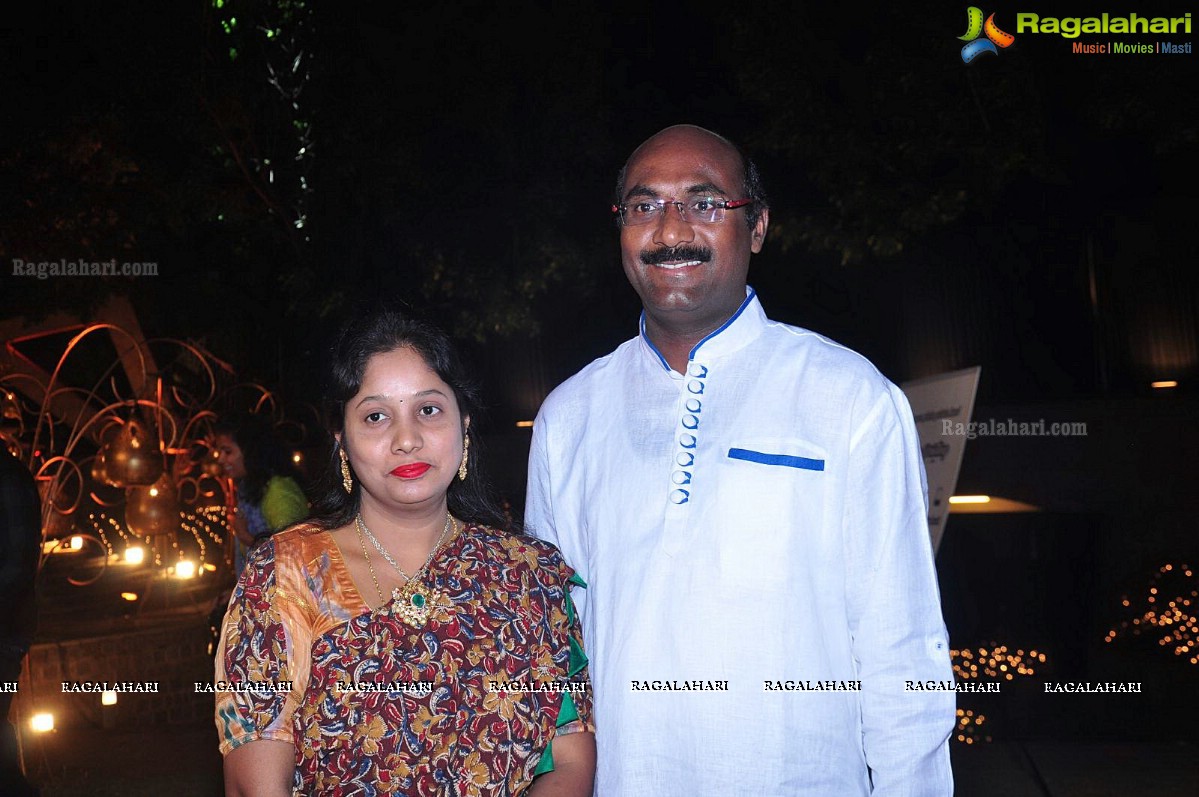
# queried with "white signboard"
point(934, 400)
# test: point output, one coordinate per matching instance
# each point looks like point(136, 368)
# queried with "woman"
point(399, 617)
point(269, 497)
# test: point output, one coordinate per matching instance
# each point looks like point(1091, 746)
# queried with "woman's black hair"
point(263, 452)
point(379, 332)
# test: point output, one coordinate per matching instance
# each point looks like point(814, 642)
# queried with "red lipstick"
point(412, 470)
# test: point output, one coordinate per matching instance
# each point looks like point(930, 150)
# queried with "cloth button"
point(685, 459)
point(687, 440)
point(695, 386)
point(695, 369)
point(681, 477)
point(690, 422)
point(692, 405)
point(679, 496)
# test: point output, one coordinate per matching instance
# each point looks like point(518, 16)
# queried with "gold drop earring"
point(346, 480)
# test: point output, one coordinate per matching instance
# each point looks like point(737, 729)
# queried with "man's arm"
point(539, 513)
point(542, 518)
point(895, 614)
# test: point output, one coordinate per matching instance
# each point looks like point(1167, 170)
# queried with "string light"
point(1169, 614)
point(993, 661)
point(969, 727)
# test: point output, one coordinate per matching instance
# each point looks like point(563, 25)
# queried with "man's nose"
point(672, 229)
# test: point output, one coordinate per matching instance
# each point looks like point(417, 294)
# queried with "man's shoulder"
point(600, 371)
point(822, 357)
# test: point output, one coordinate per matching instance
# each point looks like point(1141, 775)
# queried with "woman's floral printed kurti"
point(449, 720)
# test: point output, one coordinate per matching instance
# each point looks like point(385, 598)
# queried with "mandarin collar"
point(741, 328)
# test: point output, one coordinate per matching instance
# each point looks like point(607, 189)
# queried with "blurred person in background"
point(269, 497)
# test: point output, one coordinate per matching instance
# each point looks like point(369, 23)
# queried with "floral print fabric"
point(449, 720)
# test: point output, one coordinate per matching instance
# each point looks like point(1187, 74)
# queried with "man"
point(20, 546)
point(747, 502)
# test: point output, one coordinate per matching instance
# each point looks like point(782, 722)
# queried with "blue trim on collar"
point(749, 297)
point(650, 343)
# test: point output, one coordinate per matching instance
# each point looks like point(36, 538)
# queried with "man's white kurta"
point(760, 521)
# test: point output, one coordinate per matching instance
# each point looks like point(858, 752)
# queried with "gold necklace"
point(413, 601)
point(370, 567)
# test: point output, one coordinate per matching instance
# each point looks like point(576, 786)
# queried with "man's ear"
point(758, 236)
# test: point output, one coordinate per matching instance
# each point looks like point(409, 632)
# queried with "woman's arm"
point(574, 768)
point(241, 529)
point(261, 768)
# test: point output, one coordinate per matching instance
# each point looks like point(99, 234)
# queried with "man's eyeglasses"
point(699, 209)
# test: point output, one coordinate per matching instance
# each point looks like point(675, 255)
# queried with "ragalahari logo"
point(974, 27)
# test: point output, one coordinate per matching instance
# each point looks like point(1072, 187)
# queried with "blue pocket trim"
point(776, 459)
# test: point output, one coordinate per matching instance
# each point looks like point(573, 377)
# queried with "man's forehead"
point(684, 157)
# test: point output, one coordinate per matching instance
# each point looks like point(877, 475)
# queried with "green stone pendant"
point(411, 606)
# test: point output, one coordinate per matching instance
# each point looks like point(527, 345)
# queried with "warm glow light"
point(154, 491)
point(1164, 383)
point(135, 554)
point(969, 499)
point(297, 457)
point(129, 596)
point(210, 567)
point(76, 543)
point(185, 569)
point(524, 424)
point(108, 698)
point(42, 722)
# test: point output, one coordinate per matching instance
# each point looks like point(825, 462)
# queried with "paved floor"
point(1076, 769)
point(74, 762)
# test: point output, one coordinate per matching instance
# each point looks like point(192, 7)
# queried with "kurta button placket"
point(689, 420)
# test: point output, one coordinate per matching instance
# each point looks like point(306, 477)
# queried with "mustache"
point(652, 258)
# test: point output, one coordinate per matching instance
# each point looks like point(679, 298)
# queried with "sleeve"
point(283, 503)
point(264, 641)
point(540, 520)
point(572, 707)
point(894, 607)
point(539, 512)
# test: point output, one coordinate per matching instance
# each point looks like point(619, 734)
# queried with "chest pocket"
point(772, 497)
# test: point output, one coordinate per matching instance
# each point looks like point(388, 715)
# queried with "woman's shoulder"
point(296, 543)
point(518, 549)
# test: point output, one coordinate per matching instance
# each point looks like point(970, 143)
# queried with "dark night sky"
point(462, 149)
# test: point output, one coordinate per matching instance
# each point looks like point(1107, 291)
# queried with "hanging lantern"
point(152, 510)
point(132, 459)
point(100, 466)
point(10, 410)
point(11, 443)
point(56, 525)
point(211, 465)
